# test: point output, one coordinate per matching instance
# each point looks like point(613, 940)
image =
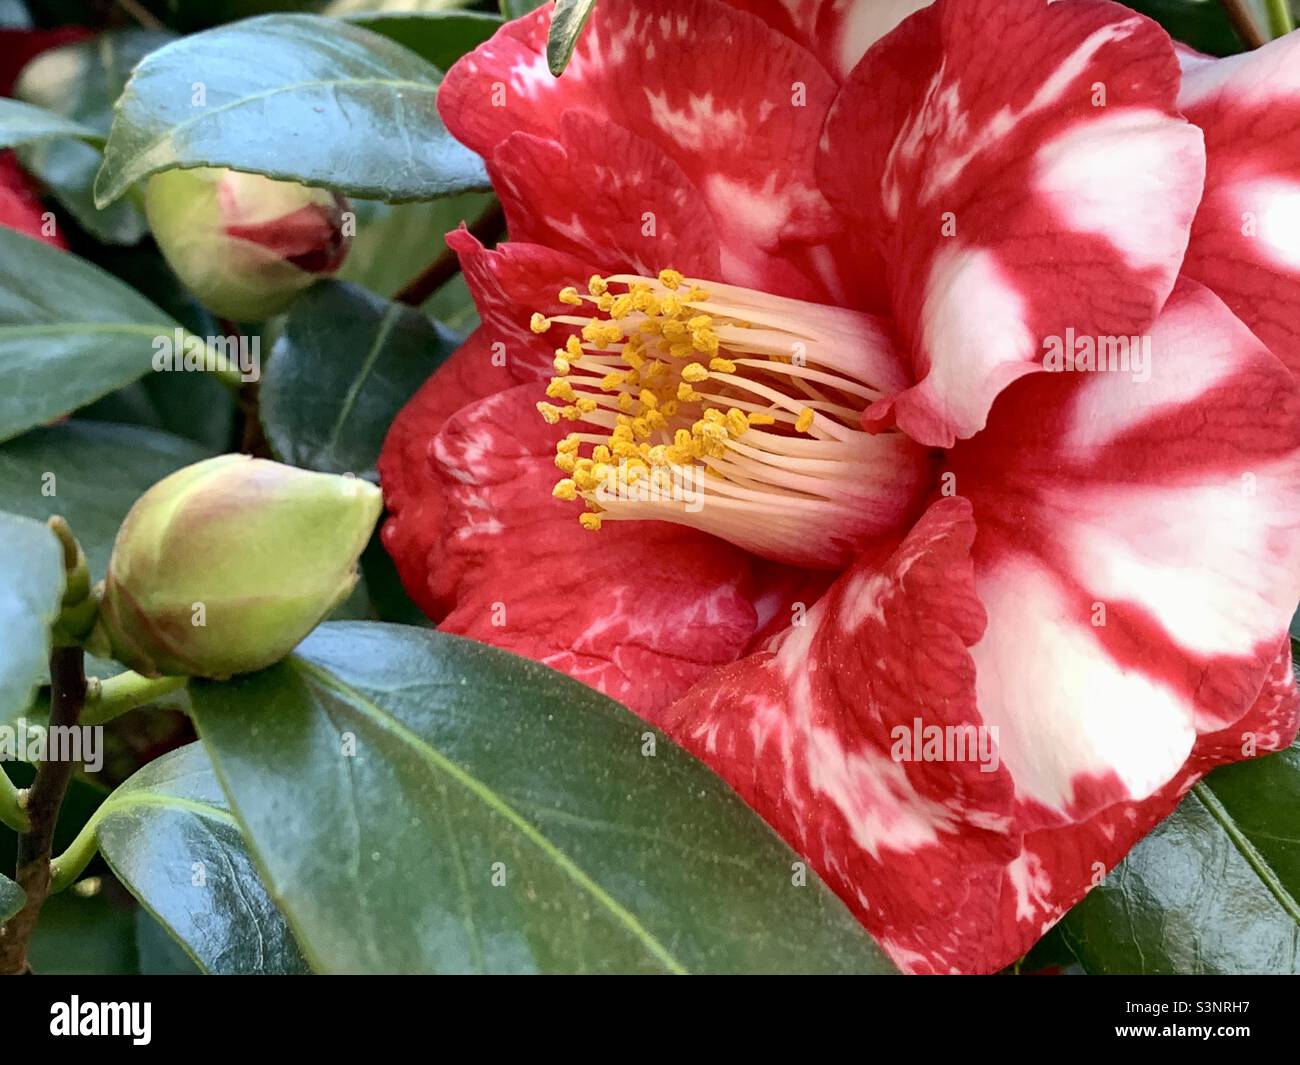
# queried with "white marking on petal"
point(1063, 707)
point(1274, 205)
point(1117, 176)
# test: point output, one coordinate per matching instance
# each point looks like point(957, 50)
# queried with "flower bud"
point(226, 565)
point(244, 244)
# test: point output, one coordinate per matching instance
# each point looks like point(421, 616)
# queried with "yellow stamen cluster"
point(659, 387)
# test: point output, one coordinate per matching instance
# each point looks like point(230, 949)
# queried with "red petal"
point(632, 202)
point(1007, 203)
point(1139, 556)
point(735, 105)
point(20, 207)
point(640, 610)
point(838, 32)
point(1246, 241)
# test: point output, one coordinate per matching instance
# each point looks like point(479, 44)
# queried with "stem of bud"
point(111, 698)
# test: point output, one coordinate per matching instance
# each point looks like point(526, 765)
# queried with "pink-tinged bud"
point(244, 244)
point(226, 565)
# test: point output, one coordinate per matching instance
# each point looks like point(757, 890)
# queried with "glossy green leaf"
point(22, 123)
point(567, 21)
point(1214, 889)
point(81, 81)
point(12, 897)
point(345, 364)
point(519, 8)
point(1203, 24)
point(297, 97)
point(169, 837)
point(441, 37)
point(79, 935)
point(91, 473)
point(31, 589)
point(394, 243)
point(422, 803)
point(69, 333)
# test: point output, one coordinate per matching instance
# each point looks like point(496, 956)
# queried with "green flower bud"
point(244, 244)
point(226, 565)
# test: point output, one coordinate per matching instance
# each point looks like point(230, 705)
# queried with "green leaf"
point(297, 97)
point(69, 333)
point(441, 37)
point(418, 802)
point(79, 935)
point(160, 954)
point(345, 364)
point(1203, 24)
point(168, 835)
point(567, 21)
point(21, 123)
point(12, 897)
point(91, 473)
point(81, 81)
point(31, 591)
point(1214, 889)
point(512, 9)
point(395, 242)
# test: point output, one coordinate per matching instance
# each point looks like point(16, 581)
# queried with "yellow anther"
point(695, 373)
point(641, 428)
point(722, 365)
point(586, 404)
point(539, 323)
point(670, 278)
point(589, 521)
point(700, 321)
point(737, 422)
point(549, 412)
point(597, 286)
point(574, 347)
point(612, 382)
point(565, 489)
point(570, 296)
point(759, 418)
point(565, 462)
point(561, 364)
point(697, 294)
point(621, 306)
point(686, 393)
point(601, 453)
point(648, 399)
point(569, 444)
point(559, 388)
point(805, 420)
point(625, 402)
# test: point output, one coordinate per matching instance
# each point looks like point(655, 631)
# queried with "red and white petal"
point(838, 32)
point(510, 283)
point(631, 201)
point(1012, 200)
point(20, 206)
point(412, 491)
point(742, 129)
point(1138, 556)
point(639, 611)
point(1246, 239)
point(817, 734)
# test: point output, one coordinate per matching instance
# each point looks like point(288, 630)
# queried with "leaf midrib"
point(496, 802)
point(1271, 881)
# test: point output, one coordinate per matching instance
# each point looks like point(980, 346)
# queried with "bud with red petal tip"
point(226, 565)
point(244, 244)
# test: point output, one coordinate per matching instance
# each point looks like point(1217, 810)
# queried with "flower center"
point(731, 411)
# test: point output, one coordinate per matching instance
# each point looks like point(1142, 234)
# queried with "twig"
point(141, 14)
point(487, 227)
point(1244, 23)
point(67, 697)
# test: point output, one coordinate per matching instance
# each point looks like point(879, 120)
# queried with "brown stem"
point(1244, 23)
point(487, 228)
point(67, 697)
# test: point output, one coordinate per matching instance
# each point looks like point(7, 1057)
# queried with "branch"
point(67, 696)
point(1243, 22)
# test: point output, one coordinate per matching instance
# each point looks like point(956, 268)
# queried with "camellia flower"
point(782, 293)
